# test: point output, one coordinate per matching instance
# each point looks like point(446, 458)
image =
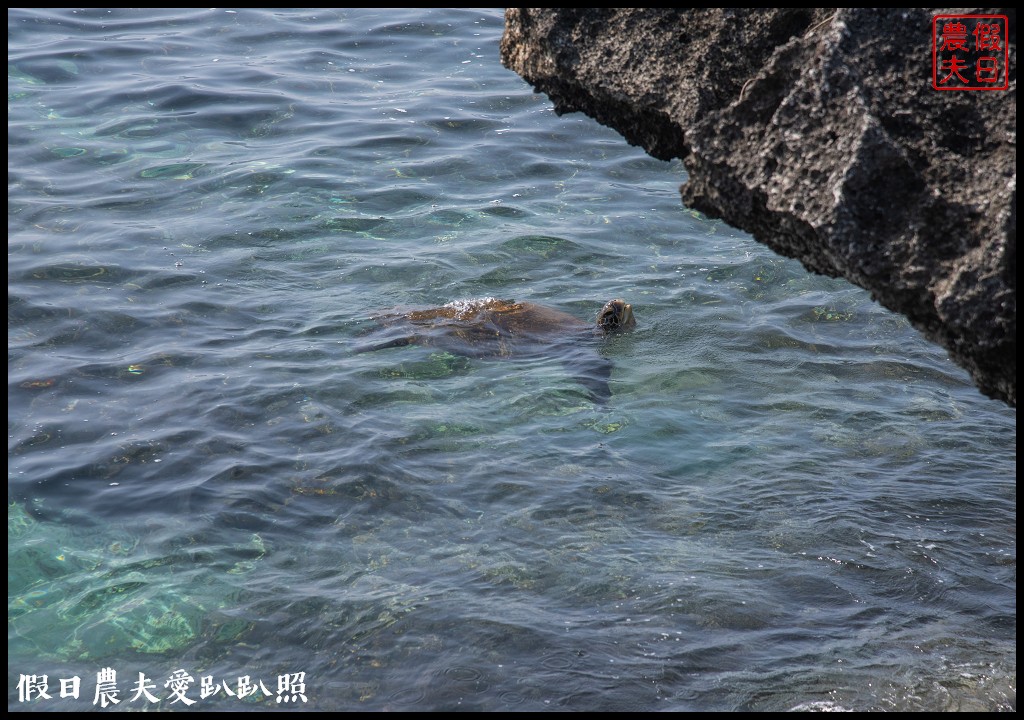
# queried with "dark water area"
point(789, 500)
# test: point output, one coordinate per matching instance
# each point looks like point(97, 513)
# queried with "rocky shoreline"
point(818, 132)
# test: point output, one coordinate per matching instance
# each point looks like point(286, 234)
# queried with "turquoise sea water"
point(791, 500)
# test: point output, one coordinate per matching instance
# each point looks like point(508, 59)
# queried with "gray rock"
point(819, 133)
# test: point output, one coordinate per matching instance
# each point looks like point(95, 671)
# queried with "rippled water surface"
point(790, 500)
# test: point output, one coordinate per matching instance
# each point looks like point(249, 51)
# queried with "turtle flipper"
point(592, 371)
point(388, 337)
point(396, 342)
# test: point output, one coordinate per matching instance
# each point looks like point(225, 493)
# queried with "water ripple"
point(789, 501)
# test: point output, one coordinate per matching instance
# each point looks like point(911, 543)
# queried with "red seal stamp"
point(970, 52)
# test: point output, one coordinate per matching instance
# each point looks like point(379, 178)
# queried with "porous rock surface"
point(818, 132)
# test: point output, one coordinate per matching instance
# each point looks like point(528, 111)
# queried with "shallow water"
point(791, 500)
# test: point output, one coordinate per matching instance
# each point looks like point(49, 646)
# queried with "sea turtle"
point(489, 328)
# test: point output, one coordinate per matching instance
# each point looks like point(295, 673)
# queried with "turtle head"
point(616, 316)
